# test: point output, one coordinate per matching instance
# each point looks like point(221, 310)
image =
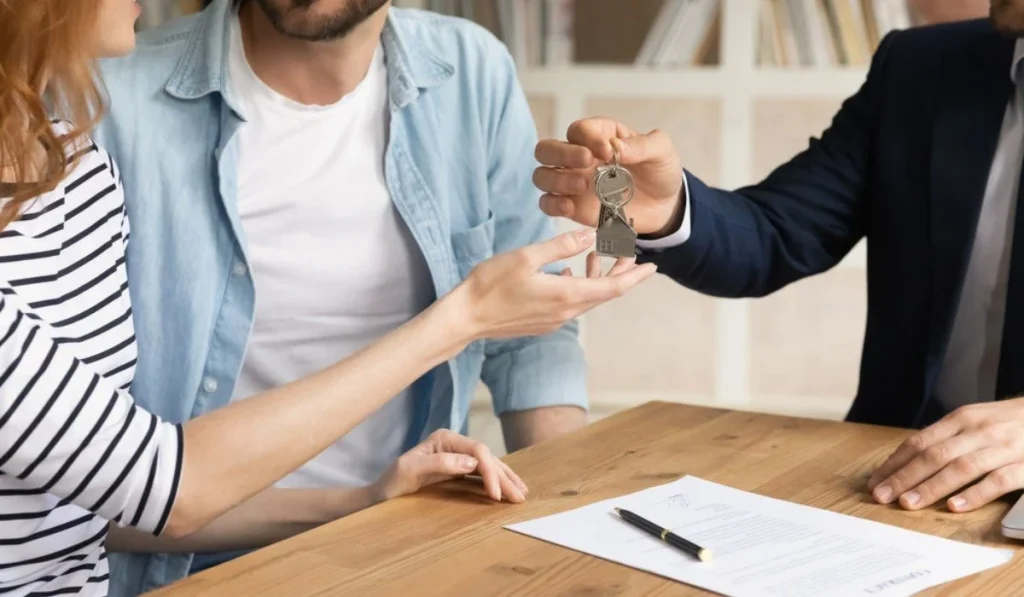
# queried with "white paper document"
point(763, 546)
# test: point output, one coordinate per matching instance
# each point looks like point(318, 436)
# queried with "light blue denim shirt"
point(459, 169)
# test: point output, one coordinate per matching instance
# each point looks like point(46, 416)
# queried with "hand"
point(567, 170)
point(508, 295)
point(980, 441)
point(446, 455)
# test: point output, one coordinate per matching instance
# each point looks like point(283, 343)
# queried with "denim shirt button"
point(240, 269)
point(210, 385)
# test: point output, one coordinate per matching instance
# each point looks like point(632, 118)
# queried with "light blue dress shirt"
point(458, 166)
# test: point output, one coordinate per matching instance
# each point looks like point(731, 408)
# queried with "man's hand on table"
point(980, 442)
point(446, 455)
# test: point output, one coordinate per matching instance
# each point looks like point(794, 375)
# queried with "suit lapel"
point(975, 87)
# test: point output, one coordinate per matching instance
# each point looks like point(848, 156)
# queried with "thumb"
point(561, 247)
point(449, 464)
point(655, 146)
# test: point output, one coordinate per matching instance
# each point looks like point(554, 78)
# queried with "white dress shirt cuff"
point(679, 236)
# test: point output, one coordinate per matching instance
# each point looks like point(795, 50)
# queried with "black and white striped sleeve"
point(69, 432)
point(126, 229)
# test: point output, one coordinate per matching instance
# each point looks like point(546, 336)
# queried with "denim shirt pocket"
point(473, 245)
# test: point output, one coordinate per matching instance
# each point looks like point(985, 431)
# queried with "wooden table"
point(449, 541)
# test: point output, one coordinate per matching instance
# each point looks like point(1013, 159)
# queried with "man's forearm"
point(270, 516)
point(528, 427)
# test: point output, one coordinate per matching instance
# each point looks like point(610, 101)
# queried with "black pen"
point(665, 535)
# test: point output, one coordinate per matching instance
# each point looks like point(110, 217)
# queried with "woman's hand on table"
point(447, 455)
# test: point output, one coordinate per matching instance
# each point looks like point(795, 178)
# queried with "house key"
point(615, 188)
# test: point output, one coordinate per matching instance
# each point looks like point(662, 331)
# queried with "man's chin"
point(306, 31)
point(309, 21)
point(1007, 17)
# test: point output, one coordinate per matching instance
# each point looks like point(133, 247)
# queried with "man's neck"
point(312, 73)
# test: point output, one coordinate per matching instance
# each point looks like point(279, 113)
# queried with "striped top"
point(75, 450)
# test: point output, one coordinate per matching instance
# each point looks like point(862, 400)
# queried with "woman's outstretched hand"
point(509, 295)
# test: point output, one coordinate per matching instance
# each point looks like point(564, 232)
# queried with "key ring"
point(613, 172)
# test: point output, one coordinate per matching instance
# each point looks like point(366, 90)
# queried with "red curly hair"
point(47, 71)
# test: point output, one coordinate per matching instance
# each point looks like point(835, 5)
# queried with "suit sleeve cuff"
point(678, 237)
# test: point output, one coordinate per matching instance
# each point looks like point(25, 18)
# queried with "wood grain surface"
point(449, 540)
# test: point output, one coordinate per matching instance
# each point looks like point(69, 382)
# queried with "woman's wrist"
point(456, 318)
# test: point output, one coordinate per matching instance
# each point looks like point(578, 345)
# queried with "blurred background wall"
point(740, 85)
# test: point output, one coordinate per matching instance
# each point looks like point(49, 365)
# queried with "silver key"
point(615, 188)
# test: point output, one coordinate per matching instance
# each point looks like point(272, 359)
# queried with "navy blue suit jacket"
point(904, 164)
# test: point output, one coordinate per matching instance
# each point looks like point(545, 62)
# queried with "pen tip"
point(617, 510)
point(704, 555)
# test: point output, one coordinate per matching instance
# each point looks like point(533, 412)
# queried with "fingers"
point(958, 473)
point(562, 182)
point(593, 265)
point(923, 465)
point(448, 464)
point(943, 429)
point(595, 134)
point(580, 209)
point(514, 478)
point(561, 247)
point(999, 482)
point(559, 154)
point(496, 482)
point(654, 147)
point(568, 194)
point(599, 290)
point(622, 264)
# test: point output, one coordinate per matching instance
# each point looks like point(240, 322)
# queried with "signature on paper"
point(679, 502)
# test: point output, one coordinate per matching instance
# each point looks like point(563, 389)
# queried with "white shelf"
point(627, 80)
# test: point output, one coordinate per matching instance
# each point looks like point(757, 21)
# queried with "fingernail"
point(957, 502)
point(468, 463)
point(912, 498)
point(585, 235)
point(518, 495)
point(883, 494)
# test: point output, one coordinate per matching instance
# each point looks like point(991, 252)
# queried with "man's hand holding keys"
point(968, 459)
point(566, 175)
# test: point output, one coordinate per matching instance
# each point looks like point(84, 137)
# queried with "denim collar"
point(411, 53)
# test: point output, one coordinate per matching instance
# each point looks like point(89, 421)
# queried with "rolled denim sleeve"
point(543, 371)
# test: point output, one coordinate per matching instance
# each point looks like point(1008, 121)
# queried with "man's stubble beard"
point(295, 20)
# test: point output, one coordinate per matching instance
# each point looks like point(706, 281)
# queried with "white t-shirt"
point(334, 265)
